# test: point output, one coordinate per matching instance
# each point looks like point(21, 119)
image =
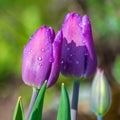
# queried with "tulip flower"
point(41, 58)
point(100, 95)
point(78, 57)
point(78, 53)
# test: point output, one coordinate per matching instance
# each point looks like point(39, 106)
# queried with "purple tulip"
point(78, 53)
point(41, 58)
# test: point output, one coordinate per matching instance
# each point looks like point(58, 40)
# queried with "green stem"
point(75, 96)
point(99, 117)
point(33, 99)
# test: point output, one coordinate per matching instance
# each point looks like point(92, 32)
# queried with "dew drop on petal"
point(39, 58)
point(77, 62)
point(80, 25)
point(30, 51)
point(83, 41)
point(68, 48)
point(62, 62)
point(71, 55)
point(65, 45)
point(40, 64)
point(43, 50)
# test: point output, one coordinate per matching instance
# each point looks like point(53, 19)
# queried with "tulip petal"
point(52, 33)
point(72, 29)
point(88, 40)
point(72, 61)
point(73, 49)
point(78, 53)
point(57, 44)
point(37, 52)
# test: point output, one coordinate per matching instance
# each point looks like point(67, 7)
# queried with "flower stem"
point(99, 117)
point(33, 99)
point(75, 96)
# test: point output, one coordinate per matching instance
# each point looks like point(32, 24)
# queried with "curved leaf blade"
point(36, 113)
point(64, 106)
point(18, 112)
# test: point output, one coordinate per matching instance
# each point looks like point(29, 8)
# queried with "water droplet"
point(83, 41)
point(40, 64)
point(62, 62)
point(30, 51)
point(65, 45)
point(71, 55)
point(84, 22)
point(80, 25)
point(77, 62)
point(43, 50)
point(68, 48)
point(51, 59)
point(39, 58)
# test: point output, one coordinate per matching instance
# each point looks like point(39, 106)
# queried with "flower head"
point(41, 57)
point(78, 53)
point(100, 94)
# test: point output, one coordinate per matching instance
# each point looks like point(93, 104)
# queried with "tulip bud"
point(78, 53)
point(41, 57)
point(100, 94)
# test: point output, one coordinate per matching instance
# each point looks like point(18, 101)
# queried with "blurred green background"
point(18, 21)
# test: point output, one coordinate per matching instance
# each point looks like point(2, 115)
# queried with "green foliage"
point(116, 69)
point(105, 18)
point(18, 112)
point(36, 113)
point(64, 105)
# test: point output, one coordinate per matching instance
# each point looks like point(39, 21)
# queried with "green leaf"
point(64, 106)
point(116, 69)
point(18, 112)
point(36, 113)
